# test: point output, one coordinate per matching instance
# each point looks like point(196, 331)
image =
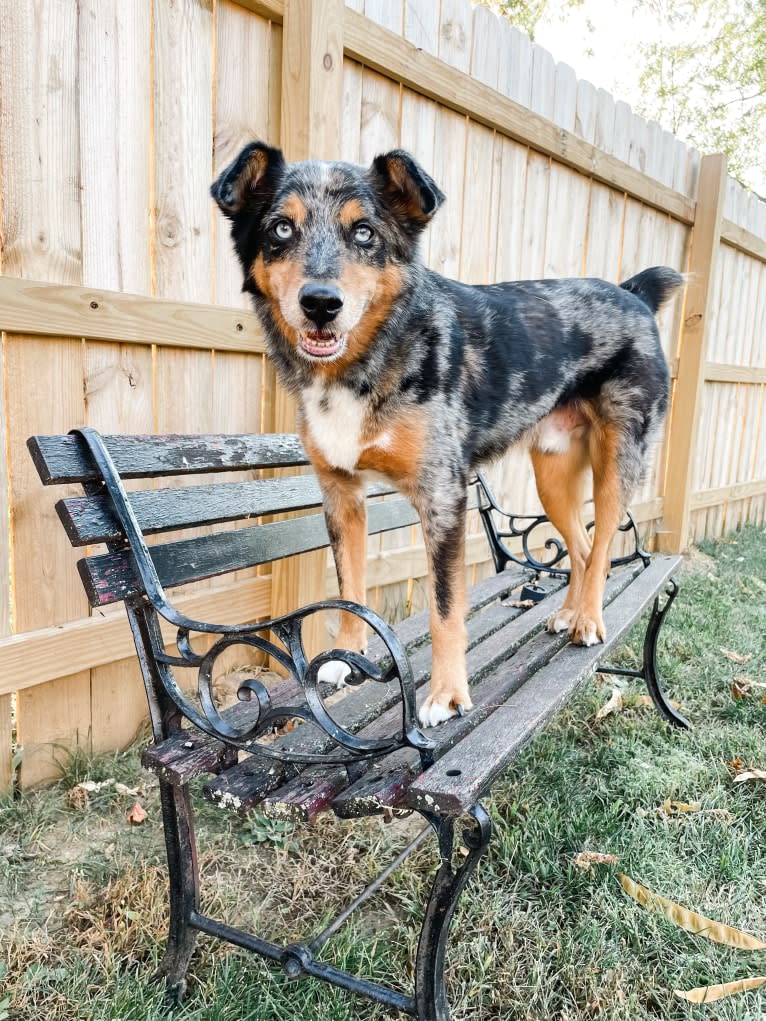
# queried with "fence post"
point(312, 108)
point(692, 355)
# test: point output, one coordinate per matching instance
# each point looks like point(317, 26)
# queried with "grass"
point(82, 894)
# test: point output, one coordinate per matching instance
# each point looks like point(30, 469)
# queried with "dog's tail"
point(654, 286)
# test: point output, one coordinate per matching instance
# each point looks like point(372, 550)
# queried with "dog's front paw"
point(561, 621)
point(439, 708)
point(587, 630)
point(335, 672)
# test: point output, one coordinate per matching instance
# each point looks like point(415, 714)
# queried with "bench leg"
point(430, 991)
point(649, 670)
point(184, 886)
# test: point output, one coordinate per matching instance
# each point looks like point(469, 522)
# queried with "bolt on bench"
point(357, 755)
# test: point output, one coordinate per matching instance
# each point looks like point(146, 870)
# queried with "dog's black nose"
point(321, 302)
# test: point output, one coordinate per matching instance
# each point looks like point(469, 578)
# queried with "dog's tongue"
point(320, 343)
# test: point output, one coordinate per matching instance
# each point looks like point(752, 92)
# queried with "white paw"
point(588, 636)
point(560, 622)
point(432, 713)
point(335, 672)
point(587, 632)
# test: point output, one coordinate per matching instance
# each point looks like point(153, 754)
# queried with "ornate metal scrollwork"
point(524, 526)
point(242, 729)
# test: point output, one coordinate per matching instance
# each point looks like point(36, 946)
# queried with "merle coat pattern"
point(400, 371)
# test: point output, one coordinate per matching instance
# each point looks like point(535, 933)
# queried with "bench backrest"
point(90, 519)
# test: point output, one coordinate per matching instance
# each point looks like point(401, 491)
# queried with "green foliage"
point(526, 14)
point(706, 79)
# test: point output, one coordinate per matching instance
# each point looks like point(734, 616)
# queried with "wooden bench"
point(356, 755)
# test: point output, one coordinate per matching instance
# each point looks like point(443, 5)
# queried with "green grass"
point(82, 905)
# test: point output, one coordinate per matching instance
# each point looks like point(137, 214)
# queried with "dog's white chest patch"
point(336, 418)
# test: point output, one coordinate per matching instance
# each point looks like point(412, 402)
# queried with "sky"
point(598, 40)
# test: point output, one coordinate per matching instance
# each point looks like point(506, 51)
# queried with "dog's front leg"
point(443, 520)
point(345, 510)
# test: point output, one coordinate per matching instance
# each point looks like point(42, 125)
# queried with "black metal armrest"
point(304, 699)
point(523, 527)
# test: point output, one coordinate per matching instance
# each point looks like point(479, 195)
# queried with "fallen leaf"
point(707, 994)
point(736, 764)
point(612, 706)
point(646, 702)
point(521, 604)
point(78, 797)
point(740, 688)
point(137, 814)
point(120, 788)
point(717, 932)
point(585, 859)
point(680, 807)
point(736, 657)
point(750, 774)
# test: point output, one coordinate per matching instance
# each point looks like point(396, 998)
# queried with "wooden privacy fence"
point(119, 294)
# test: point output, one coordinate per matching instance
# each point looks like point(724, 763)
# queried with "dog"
point(402, 372)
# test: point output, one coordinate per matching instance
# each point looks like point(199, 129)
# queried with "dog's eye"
point(363, 234)
point(282, 230)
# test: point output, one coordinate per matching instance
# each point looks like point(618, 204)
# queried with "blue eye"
point(363, 234)
point(283, 230)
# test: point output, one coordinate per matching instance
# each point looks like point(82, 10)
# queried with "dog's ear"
point(250, 179)
point(405, 188)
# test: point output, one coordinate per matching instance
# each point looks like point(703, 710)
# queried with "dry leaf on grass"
point(739, 689)
point(585, 859)
point(717, 932)
point(614, 705)
point(750, 774)
point(707, 994)
point(137, 814)
point(736, 657)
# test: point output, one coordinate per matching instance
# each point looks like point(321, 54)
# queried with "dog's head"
point(325, 247)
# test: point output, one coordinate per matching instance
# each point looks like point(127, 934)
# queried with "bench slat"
point(90, 519)
point(466, 772)
point(66, 459)
point(389, 778)
point(112, 576)
point(253, 779)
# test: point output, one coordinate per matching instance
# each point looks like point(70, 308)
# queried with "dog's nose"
point(321, 302)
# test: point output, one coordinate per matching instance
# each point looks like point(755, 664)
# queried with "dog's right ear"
point(251, 178)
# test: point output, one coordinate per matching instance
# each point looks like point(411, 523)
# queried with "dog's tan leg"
point(560, 479)
point(444, 534)
point(608, 498)
point(345, 509)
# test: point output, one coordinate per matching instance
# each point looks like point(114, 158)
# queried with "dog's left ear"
point(405, 188)
point(249, 180)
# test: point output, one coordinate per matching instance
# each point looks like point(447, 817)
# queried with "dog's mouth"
point(321, 343)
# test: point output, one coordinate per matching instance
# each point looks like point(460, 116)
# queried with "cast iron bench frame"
point(365, 754)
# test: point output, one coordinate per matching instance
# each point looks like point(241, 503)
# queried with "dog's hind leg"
point(560, 479)
point(444, 535)
point(604, 444)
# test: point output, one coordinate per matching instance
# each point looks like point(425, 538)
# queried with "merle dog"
point(400, 371)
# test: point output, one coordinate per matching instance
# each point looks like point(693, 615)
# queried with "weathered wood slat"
point(389, 778)
point(183, 756)
point(245, 785)
point(64, 458)
point(90, 519)
point(251, 781)
point(113, 576)
point(414, 630)
point(463, 775)
point(374, 708)
point(307, 795)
